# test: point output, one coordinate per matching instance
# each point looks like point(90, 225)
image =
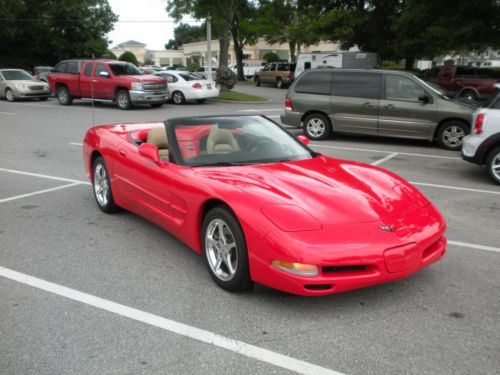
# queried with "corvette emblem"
point(190, 147)
point(388, 228)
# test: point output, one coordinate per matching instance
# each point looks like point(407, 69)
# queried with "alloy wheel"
point(495, 166)
point(9, 94)
point(315, 127)
point(452, 136)
point(101, 185)
point(221, 251)
point(178, 97)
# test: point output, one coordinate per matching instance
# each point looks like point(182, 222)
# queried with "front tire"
point(493, 165)
point(279, 83)
point(178, 98)
point(469, 95)
point(225, 250)
point(63, 96)
point(257, 81)
point(123, 100)
point(102, 187)
point(317, 127)
point(451, 133)
point(9, 95)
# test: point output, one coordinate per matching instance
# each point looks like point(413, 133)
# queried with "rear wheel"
point(102, 187)
point(279, 83)
point(225, 250)
point(317, 126)
point(257, 81)
point(63, 96)
point(178, 97)
point(9, 95)
point(123, 99)
point(469, 95)
point(451, 133)
point(493, 164)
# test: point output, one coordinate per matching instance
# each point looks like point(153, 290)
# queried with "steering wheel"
point(258, 143)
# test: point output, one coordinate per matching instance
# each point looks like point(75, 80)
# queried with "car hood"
point(330, 190)
point(26, 82)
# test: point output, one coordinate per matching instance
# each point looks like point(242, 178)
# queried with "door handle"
point(94, 81)
point(368, 105)
point(122, 152)
point(389, 106)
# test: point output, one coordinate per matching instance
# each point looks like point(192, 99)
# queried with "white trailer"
point(335, 59)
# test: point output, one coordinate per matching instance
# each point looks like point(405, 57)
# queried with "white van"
point(490, 64)
point(335, 59)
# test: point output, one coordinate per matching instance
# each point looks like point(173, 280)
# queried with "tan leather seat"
point(158, 137)
point(221, 141)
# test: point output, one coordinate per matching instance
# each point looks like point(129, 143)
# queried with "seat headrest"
point(221, 141)
point(158, 137)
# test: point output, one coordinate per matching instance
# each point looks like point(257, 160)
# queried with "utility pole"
point(208, 72)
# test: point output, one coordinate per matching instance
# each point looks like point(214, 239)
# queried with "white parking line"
point(39, 192)
point(383, 151)
point(76, 144)
point(261, 110)
point(455, 188)
point(239, 347)
point(274, 116)
point(474, 246)
point(44, 176)
point(385, 158)
point(7, 113)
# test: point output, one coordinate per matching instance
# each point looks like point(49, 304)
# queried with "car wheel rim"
point(101, 185)
point(495, 166)
point(452, 136)
point(315, 127)
point(221, 251)
point(469, 96)
point(63, 95)
point(122, 100)
point(178, 98)
point(10, 95)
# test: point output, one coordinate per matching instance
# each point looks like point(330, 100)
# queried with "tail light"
point(197, 86)
point(478, 125)
point(288, 104)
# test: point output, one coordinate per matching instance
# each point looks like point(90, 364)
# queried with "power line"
point(76, 20)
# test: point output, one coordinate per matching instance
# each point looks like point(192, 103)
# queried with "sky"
point(149, 31)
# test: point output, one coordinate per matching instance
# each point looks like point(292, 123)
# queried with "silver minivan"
point(375, 102)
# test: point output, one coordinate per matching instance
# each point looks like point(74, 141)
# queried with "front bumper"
point(471, 145)
point(347, 261)
point(138, 97)
point(28, 94)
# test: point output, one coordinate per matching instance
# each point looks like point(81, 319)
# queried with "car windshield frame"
point(23, 75)
point(433, 88)
point(241, 157)
point(130, 69)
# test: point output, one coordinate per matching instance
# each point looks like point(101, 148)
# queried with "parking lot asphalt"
point(158, 311)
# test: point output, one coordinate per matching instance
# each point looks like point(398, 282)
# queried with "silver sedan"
point(19, 84)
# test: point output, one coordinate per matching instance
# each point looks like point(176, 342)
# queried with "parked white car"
point(186, 86)
point(490, 64)
point(482, 146)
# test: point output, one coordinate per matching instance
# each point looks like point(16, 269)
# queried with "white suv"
point(482, 146)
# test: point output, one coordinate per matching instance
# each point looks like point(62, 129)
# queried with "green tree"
point(185, 33)
point(109, 55)
point(129, 57)
point(222, 16)
point(271, 57)
point(46, 31)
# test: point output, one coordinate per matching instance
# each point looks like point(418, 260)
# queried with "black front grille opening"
point(318, 286)
point(352, 268)
point(431, 249)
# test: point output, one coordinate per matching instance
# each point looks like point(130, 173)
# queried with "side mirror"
point(149, 151)
point(104, 74)
point(424, 98)
point(303, 139)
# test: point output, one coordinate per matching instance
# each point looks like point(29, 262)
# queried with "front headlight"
point(497, 86)
point(137, 86)
point(21, 86)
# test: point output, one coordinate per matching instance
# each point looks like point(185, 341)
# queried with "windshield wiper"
point(217, 164)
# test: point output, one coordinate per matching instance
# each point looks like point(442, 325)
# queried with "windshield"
point(16, 75)
point(127, 69)
point(433, 87)
point(235, 140)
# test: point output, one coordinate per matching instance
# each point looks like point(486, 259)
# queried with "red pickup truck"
point(465, 81)
point(118, 81)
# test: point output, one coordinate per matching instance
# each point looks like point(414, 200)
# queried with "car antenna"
point(92, 92)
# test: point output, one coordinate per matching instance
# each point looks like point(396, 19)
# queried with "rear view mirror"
point(424, 98)
point(149, 151)
point(303, 139)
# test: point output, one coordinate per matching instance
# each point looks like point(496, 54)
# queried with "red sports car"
point(262, 207)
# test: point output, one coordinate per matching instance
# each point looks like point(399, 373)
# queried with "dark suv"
point(374, 102)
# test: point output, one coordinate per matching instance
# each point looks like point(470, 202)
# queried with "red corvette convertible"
point(262, 207)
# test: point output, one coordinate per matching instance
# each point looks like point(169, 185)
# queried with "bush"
point(226, 79)
point(271, 57)
point(129, 57)
point(193, 66)
point(109, 55)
